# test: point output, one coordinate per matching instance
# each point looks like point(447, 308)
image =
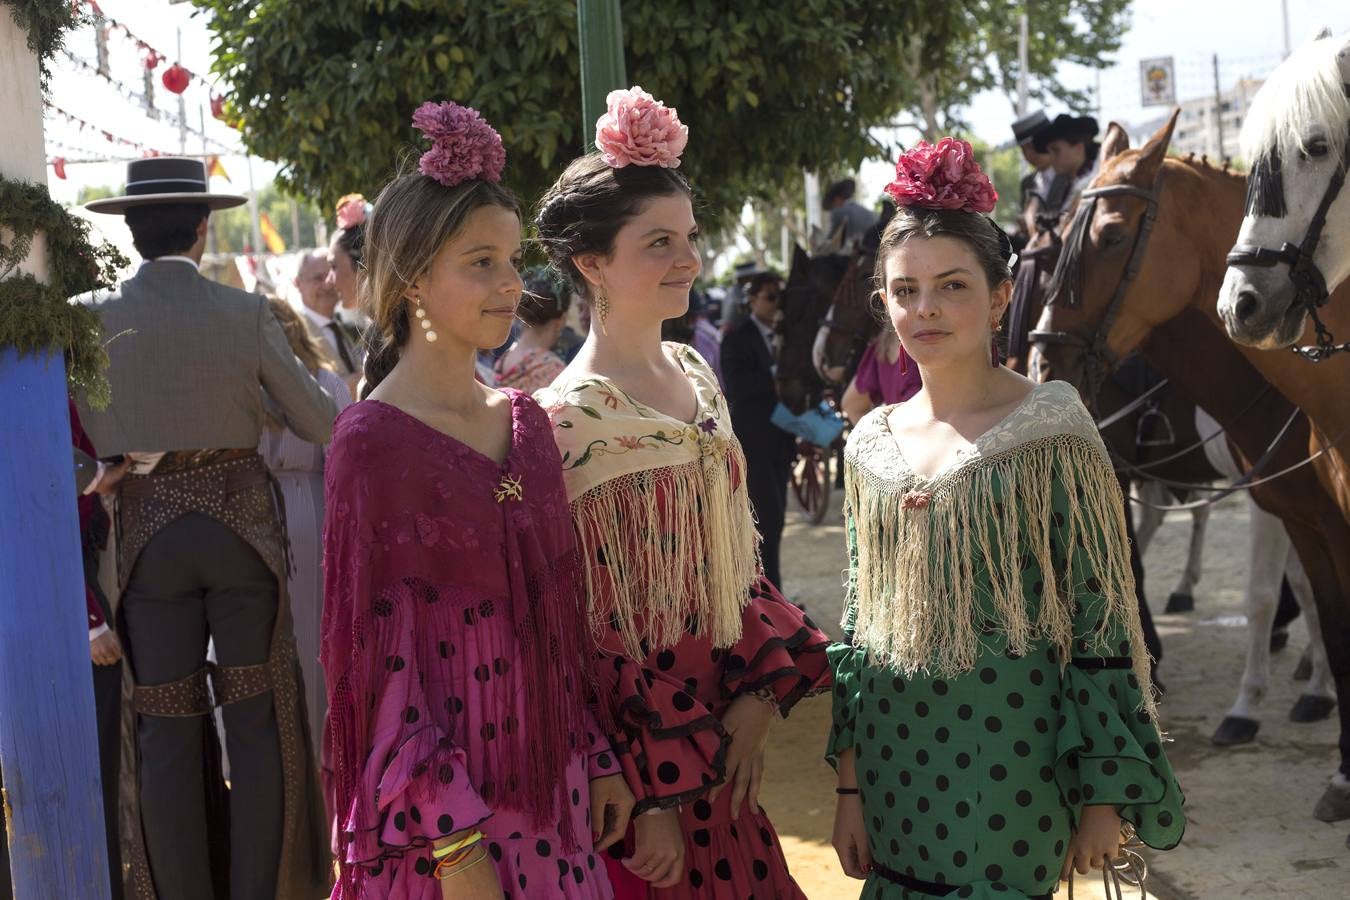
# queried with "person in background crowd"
point(707, 338)
point(346, 252)
point(885, 375)
point(1071, 142)
point(849, 220)
point(530, 363)
point(698, 652)
point(319, 299)
point(1042, 189)
point(749, 369)
point(462, 760)
point(201, 556)
point(297, 465)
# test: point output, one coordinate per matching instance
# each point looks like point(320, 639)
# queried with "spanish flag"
point(271, 237)
point(216, 170)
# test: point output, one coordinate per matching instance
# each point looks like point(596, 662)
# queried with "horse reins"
point(1097, 358)
point(1310, 285)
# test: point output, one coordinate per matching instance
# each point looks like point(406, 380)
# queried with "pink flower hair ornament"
point(639, 130)
point(463, 145)
point(352, 210)
point(945, 176)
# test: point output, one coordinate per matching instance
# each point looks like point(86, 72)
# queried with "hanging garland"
point(38, 317)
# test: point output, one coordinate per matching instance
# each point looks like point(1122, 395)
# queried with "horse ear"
point(1343, 60)
point(1116, 140)
point(1152, 154)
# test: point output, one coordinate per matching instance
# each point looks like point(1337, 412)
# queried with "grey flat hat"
point(165, 179)
point(1025, 128)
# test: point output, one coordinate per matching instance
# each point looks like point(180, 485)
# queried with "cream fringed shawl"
point(660, 507)
point(937, 559)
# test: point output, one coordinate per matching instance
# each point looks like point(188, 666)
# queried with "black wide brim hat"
point(1026, 128)
point(165, 179)
point(1065, 128)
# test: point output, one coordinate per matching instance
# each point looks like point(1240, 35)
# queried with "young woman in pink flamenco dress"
point(460, 758)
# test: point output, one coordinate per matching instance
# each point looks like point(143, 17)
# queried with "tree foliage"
point(959, 49)
point(327, 87)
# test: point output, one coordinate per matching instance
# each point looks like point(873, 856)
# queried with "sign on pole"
point(1158, 81)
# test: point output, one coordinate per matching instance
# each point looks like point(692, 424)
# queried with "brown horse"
point(1115, 295)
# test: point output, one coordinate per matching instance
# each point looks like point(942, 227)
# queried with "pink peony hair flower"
point(351, 211)
point(637, 129)
point(945, 176)
point(463, 144)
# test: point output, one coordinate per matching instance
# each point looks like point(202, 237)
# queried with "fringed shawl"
point(660, 506)
point(939, 560)
point(428, 538)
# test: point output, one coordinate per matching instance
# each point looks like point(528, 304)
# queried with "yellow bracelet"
point(442, 871)
point(472, 838)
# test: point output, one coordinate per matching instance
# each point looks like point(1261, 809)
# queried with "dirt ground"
point(1251, 832)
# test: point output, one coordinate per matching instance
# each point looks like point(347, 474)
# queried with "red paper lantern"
point(218, 106)
point(176, 79)
point(152, 59)
point(59, 165)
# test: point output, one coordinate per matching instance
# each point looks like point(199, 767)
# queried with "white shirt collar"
point(317, 318)
point(187, 259)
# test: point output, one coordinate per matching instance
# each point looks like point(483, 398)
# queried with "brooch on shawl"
point(509, 489)
point(915, 499)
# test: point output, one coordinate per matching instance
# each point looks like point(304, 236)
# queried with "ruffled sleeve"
point(1110, 749)
point(781, 652)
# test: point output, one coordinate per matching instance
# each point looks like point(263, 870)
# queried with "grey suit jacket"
point(190, 361)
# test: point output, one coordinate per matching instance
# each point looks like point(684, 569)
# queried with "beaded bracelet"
point(845, 791)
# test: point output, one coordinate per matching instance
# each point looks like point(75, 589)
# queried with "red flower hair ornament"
point(463, 145)
point(945, 176)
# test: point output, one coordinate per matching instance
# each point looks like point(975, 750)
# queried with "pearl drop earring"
point(425, 322)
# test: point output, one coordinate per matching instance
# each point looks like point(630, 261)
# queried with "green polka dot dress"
point(978, 744)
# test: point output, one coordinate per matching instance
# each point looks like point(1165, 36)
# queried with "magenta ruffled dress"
point(453, 647)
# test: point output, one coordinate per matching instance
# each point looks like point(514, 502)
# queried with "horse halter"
point(1310, 285)
point(1068, 277)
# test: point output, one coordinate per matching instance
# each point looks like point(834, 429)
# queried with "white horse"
point(1297, 138)
point(1272, 558)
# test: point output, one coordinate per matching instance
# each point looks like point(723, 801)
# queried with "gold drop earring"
point(601, 307)
point(421, 315)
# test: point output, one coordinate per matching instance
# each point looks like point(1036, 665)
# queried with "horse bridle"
point(1097, 359)
point(1310, 285)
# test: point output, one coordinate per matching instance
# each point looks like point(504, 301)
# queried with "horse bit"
point(1310, 285)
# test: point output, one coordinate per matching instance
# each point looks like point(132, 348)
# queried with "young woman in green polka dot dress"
point(994, 725)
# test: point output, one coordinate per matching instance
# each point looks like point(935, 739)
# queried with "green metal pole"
point(600, 34)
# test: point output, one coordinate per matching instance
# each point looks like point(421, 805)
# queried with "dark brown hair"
point(590, 202)
point(543, 301)
point(413, 218)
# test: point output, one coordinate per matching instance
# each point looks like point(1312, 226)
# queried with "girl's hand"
point(611, 806)
point(747, 721)
point(1096, 842)
point(658, 849)
point(850, 837)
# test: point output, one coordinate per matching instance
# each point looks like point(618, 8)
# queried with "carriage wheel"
point(811, 481)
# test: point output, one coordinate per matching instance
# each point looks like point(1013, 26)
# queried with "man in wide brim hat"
point(1064, 127)
point(195, 367)
point(165, 179)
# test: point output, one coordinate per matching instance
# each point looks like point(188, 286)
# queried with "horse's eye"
point(1112, 237)
point(1316, 148)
